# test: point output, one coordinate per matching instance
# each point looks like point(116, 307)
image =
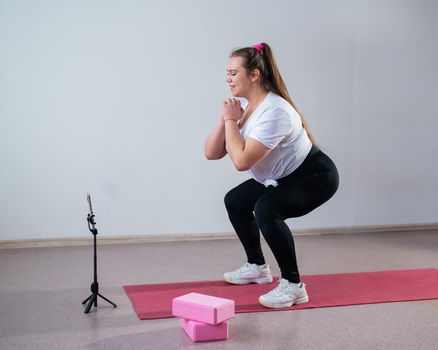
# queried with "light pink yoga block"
point(203, 308)
point(199, 331)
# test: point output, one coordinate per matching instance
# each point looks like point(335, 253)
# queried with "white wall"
point(116, 98)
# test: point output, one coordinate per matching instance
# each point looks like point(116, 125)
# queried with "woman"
point(290, 175)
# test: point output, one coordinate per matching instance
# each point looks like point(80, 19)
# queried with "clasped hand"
point(231, 109)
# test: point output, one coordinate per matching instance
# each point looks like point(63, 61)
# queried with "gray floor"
point(41, 290)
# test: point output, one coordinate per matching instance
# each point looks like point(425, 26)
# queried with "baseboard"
point(153, 238)
point(366, 229)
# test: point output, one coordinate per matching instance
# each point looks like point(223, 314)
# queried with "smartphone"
point(89, 203)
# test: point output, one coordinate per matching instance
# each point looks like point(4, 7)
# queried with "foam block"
point(203, 308)
point(199, 331)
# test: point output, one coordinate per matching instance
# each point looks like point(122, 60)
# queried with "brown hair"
point(270, 76)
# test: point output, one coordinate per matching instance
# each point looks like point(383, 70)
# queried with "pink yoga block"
point(203, 308)
point(199, 331)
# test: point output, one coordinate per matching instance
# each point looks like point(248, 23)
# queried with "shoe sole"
point(263, 280)
point(302, 300)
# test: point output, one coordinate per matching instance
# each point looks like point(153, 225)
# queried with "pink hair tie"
point(259, 47)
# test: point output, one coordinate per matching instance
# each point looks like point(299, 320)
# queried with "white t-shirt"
point(278, 126)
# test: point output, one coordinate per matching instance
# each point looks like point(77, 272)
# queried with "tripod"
point(92, 299)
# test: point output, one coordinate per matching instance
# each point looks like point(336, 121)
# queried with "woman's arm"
point(244, 154)
point(214, 147)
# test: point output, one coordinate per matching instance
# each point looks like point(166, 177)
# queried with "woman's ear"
point(255, 75)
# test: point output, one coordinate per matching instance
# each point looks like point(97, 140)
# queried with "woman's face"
point(237, 79)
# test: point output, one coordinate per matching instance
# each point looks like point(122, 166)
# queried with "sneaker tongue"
point(285, 281)
point(282, 284)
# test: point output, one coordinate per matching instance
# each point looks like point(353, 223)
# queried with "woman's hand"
point(231, 109)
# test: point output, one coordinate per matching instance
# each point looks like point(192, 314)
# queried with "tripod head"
point(90, 217)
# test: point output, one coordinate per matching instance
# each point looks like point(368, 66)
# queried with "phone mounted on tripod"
point(92, 299)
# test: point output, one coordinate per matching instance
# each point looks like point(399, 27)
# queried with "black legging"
point(252, 208)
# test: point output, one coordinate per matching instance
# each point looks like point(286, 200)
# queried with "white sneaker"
point(285, 294)
point(249, 273)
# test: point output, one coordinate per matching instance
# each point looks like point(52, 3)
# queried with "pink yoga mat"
point(153, 301)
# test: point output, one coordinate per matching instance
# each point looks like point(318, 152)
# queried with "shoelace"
point(243, 268)
point(281, 287)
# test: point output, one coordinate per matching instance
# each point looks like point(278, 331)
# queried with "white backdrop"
point(116, 98)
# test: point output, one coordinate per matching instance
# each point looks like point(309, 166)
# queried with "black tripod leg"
point(87, 299)
point(107, 300)
point(93, 299)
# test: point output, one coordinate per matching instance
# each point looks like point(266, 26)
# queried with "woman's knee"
point(265, 213)
point(243, 197)
point(231, 200)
